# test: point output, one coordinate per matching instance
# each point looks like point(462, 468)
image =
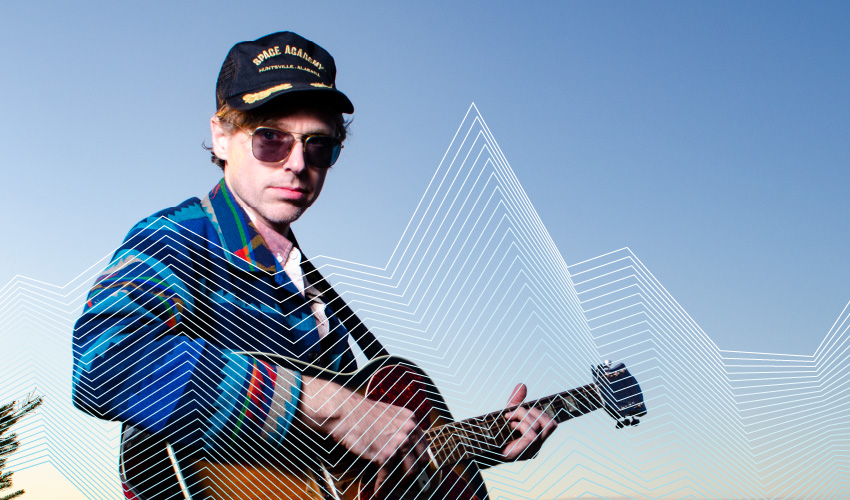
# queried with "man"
point(161, 343)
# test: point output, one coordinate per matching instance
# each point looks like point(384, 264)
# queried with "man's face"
point(275, 193)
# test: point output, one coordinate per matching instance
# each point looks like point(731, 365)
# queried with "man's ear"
point(220, 138)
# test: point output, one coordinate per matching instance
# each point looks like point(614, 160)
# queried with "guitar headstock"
point(621, 394)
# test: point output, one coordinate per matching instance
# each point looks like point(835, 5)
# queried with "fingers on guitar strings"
point(407, 458)
point(529, 424)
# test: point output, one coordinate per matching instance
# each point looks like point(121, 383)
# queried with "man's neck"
point(275, 237)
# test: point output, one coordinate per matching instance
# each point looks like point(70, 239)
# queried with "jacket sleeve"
point(136, 360)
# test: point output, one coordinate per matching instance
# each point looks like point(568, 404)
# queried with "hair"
point(233, 119)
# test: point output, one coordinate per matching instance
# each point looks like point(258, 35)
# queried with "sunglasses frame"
point(303, 138)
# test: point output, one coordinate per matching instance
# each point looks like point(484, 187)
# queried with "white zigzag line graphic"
point(721, 423)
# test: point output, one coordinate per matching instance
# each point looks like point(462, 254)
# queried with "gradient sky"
point(711, 138)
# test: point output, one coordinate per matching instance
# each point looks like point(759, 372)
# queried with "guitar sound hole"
point(400, 386)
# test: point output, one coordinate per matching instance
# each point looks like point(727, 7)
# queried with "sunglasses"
point(274, 146)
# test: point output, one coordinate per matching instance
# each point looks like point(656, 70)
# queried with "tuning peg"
point(628, 422)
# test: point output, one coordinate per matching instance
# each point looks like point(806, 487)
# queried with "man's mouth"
point(290, 193)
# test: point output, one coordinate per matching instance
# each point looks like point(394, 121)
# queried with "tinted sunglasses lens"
point(321, 151)
point(271, 145)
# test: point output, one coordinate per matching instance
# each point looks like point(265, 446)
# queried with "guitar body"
point(309, 466)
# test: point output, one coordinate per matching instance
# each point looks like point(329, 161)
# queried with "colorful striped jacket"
point(158, 344)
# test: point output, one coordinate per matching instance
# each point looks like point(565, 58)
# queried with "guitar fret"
point(444, 441)
point(451, 448)
point(483, 438)
point(469, 439)
point(457, 441)
point(503, 430)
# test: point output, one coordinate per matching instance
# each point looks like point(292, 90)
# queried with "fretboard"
point(487, 435)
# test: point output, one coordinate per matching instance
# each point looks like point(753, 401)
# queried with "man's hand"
point(533, 426)
point(386, 435)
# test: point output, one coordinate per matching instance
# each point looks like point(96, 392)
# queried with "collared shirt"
point(159, 342)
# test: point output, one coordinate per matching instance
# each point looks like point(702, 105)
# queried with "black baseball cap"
point(276, 65)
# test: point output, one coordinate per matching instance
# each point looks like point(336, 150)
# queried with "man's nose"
point(296, 161)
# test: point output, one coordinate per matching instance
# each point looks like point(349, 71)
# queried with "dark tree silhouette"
point(10, 413)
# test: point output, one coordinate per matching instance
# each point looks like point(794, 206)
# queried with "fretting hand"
point(532, 425)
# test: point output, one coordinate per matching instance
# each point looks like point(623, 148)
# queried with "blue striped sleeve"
point(134, 361)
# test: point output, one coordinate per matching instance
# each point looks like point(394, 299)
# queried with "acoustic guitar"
point(314, 467)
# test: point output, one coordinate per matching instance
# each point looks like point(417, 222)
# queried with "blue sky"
point(711, 138)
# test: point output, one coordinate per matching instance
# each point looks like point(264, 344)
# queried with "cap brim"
point(332, 98)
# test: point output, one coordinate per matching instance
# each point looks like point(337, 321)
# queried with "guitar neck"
point(487, 435)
